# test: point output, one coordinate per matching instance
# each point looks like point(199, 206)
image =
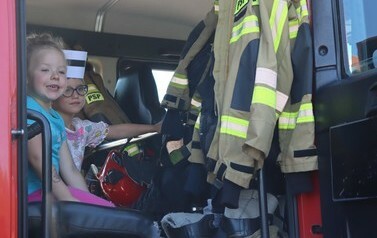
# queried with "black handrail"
point(292, 214)
point(46, 171)
point(33, 130)
point(263, 210)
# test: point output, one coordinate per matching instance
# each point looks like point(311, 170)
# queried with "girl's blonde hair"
point(35, 42)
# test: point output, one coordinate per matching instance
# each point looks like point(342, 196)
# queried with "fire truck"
point(342, 203)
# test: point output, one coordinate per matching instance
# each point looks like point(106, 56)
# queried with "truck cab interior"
point(134, 47)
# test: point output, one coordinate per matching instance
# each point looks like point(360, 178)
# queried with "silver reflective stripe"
point(248, 25)
point(281, 100)
point(234, 126)
point(196, 103)
point(180, 79)
point(266, 76)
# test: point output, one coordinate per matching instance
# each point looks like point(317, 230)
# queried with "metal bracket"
point(101, 15)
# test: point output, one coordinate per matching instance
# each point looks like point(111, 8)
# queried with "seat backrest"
point(136, 93)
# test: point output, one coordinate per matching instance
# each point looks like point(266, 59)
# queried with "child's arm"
point(59, 188)
point(130, 130)
point(68, 170)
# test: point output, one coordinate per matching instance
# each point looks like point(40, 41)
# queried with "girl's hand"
point(157, 127)
point(174, 145)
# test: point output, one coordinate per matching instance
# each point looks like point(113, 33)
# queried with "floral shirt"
point(86, 133)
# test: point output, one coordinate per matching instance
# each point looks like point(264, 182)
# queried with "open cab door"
point(345, 106)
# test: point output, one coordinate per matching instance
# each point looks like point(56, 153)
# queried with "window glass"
point(361, 34)
point(162, 79)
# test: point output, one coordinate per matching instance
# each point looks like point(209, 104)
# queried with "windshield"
point(361, 34)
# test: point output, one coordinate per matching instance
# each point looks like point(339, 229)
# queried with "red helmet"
point(115, 182)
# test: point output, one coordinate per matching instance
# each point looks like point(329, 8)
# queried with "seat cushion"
point(85, 220)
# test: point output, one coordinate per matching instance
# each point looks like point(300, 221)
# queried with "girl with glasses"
point(83, 133)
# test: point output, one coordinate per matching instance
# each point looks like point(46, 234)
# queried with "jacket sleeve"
point(296, 123)
point(180, 89)
point(272, 80)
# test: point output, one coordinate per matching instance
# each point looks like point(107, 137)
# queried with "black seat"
point(74, 219)
point(136, 93)
point(79, 220)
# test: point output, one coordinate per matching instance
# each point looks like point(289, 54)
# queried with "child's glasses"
point(80, 90)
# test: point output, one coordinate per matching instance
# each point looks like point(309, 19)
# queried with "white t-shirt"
point(86, 133)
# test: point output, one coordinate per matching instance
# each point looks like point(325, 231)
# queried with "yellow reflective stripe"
point(289, 114)
point(304, 9)
point(306, 106)
point(235, 120)
point(248, 25)
point(197, 122)
point(255, 2)
point(306, 113)
point(216, 7)
point(287, 121)
point(266, 76)
point(282, 17)
point(287, 126)
point(278, 17)
point(293, 28)
point(305, 119)
point(234, 126)
point(298, 12)
point(132, 149)
point(179, 81)
point(264, 95)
